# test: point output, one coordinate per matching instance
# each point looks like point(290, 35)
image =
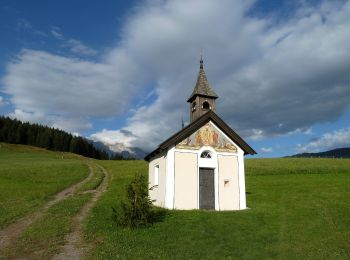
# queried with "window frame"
point(207, 156)
point(207, 104)
point(194, 106)
point(156, 175)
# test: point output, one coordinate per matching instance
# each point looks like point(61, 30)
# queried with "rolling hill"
point(335, 153)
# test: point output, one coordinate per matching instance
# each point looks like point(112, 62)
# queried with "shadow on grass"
point(158, 214)
point(155, 215)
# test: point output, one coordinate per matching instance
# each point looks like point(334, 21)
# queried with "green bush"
point(136, 210)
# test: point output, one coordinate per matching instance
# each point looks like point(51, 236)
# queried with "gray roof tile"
point(202, 87)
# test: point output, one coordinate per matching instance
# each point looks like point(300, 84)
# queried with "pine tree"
point(14, 131)
point(136, 210)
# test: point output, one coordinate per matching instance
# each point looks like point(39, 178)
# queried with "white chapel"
point(202, 165)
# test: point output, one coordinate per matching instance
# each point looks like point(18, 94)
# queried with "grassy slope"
point(45, 236)
point(95, 181)
point(299, 209)
point(29, 176)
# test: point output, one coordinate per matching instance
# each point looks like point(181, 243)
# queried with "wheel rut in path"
point(10, 233)
point(75, 247)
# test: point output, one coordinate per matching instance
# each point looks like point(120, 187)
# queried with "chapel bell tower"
point(203, 97)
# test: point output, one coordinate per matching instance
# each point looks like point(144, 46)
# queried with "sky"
point(120, 72)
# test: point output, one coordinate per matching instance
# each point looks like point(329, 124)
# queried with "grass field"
point(94, 182)
point(30, 176)
point(44, 237)
point(299, 208)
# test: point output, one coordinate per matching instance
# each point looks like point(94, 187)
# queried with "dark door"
point(206, 188)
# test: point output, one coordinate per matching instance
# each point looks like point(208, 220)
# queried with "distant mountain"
point(134, 152)
point(336, 153)
point(102, 146)
point(120, 149)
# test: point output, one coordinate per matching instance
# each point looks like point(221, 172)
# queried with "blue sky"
point(121, 71)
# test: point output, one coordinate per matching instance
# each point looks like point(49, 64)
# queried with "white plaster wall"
point(229, 198)
point(170, 178)
point(242, 193)
point(186, 182)
point(178, 178)
point(241, 171)
point(157, 192)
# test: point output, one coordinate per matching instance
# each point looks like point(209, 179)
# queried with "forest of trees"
point(15, 132)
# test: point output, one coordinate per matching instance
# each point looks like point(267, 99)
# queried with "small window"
point(156, 175)
point(206, 105)
point(193, 106)
point(226, 183)
point(206, 154)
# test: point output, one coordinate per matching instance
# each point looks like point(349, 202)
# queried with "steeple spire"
point(202, 87)
point(203, 97)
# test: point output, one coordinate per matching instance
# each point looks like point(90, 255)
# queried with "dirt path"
point(14, 230)
point(74, 247)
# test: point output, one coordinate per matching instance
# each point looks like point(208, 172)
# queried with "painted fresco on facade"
point(207, 135)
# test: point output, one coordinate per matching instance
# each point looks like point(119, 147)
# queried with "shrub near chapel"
point(136, 210)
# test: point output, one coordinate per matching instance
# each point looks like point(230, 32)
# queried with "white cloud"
point(48, 84)
point(305, 131)
point(2, 101)
point(23, 24)
point(112, 137)
point(74, 45)
point(78, 47)
point(28, 117)
point(336, 139)
point(56, 32)
point(256, 134)
point(266, 149)
point(68, 123)
point(272, 78)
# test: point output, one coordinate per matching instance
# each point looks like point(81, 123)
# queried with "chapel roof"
point(202, 87)
point(195, 125)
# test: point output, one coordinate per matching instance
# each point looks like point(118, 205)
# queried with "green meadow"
point(298, 209)
point(30, 176)
point(45, 237)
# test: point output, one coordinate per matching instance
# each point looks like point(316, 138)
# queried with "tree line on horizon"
point(16, 132)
